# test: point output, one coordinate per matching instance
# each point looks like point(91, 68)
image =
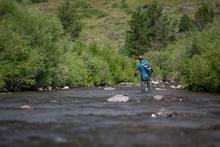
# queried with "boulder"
point(158, 97)
point(66, 87)
point(155, 82)
point(26, 107)
point(118, 98)
point(40, 89)
point(178, 87)
point(174, 87)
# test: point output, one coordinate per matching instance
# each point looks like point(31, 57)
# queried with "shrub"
point(19, 64)
point(69, 19)
point(186, 23)
point(7, 7)
point(197, 64)
point(148, 29)
point(204, 15)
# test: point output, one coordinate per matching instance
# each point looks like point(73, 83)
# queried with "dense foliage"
point(70, 19)
point(204, 15)
point(194, 57)
point(149, 29)
point(197, 62)
point(186, 23)
point(34, 52)
point(39, 49)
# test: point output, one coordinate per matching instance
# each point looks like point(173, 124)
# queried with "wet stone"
point(166, 113)
point(26, 107)
point(158, 97)
point(109, 88)
point(118, 98)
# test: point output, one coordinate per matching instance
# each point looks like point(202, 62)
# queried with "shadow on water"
point(84, 117)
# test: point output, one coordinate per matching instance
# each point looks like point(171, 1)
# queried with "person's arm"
point(136, 71)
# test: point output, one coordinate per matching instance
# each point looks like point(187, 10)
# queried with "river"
point(84, 117)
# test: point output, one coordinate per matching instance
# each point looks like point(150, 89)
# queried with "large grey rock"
point(158, 97)
point(118, 98)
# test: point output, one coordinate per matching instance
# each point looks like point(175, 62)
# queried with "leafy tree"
point(70, 19)
point(19, 64)
point(197, 60)
point(185, 23)
point(148, 29)
point(204, 15)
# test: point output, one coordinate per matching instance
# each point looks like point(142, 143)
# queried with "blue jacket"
point(145, 74)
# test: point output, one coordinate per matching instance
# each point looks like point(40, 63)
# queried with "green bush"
point(7, 7)
point(204, 15)
point(185, 24)
point(35, 53)
point(69, 18)
point(149, 28)
point(197, 60)
point(19, 64)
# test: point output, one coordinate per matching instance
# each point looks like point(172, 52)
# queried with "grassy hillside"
point(105, 21)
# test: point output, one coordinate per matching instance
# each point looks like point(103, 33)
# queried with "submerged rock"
point(118, 98)
point(40, 89)
point(60, 140)
point(158, 97)
point(153, 115)
point(109, 88)
point(26, 107)
point(160, 89)
point(165, 113)
point(53, 101)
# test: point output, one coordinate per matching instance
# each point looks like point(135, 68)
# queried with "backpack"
point(148, 68)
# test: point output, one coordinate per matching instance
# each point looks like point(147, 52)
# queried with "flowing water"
point(84, 117)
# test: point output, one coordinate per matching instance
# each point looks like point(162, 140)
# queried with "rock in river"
point(66, 87)
point(109, 88)
point(26, 107)
point(118, 98)
point(158, 97)
point(165, 113)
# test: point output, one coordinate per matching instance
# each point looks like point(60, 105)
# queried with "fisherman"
point(144, 69)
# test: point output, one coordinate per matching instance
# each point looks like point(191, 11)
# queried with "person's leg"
point(148, 84)
point(142, 86)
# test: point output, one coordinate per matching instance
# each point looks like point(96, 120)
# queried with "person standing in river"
point(144, 69)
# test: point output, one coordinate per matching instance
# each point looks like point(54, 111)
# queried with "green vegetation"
point(204, 15)
point(149, 29)
point(35, 52)
point(77, 42)
point(69, 19)
point(197, 63)
point(186, 23)
point(194, 57)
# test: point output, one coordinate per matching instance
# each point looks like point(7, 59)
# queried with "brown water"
point(83, 117)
